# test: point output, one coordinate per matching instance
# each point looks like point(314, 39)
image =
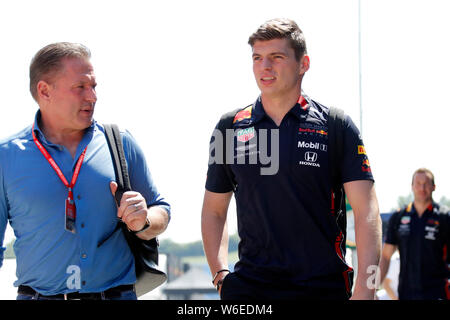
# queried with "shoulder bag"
point(145, 252)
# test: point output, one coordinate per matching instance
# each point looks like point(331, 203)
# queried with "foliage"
point(192, 248)
point(166, 246)
point(9, 252)
point(403, 201)
point(444, 202)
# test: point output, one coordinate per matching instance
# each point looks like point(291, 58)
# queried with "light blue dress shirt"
point(50, 259)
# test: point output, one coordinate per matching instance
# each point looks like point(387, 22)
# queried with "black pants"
point(236, 287)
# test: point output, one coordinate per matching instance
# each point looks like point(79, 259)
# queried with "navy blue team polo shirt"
point(423, 245)
point(286, 223)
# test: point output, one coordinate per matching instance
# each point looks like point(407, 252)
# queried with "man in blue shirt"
point(292, 231)
point(57, 186)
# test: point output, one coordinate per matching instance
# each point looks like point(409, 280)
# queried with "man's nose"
point(267, 64)
point(91, 95)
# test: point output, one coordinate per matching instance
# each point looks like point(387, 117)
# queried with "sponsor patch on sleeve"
point(361, 149)
point(365, 167)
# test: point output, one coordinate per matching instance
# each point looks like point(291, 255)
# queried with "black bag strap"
point(120, 164)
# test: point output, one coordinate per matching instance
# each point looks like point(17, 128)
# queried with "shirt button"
point(84, 255)
point(83, 282)
point(78, 197)
point(82, 225)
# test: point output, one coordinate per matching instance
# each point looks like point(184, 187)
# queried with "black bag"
point(145, 252)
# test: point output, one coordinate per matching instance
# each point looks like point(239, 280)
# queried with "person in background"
point(390, 282)
point(420, 231)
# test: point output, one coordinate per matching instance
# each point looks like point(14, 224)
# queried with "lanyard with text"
point(70, 211)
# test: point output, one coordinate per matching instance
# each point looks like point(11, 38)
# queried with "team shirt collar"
point(255, 113)
point(411, 209)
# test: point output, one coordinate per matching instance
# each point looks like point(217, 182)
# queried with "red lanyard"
point(55, 167)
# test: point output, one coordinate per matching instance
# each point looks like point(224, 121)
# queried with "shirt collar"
point(40, 135)
point(300, 109)
point(411, 209)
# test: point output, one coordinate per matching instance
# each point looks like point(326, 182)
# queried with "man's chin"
point(86, 123)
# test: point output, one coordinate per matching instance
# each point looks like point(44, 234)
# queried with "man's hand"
point(132, 210)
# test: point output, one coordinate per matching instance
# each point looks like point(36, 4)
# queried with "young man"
point(421, 233)
point(56, 189)
point(292, 232)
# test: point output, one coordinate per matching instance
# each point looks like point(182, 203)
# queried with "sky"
point(168, 70)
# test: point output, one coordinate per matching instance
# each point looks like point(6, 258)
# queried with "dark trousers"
point(235, 287)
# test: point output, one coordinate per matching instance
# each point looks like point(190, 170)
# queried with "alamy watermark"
point(74, 280)
point(373, 281)
point(247, 143)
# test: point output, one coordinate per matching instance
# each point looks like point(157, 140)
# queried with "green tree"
point(192, 248)
point(403, 201)
point(444, 201)
point(9, 252)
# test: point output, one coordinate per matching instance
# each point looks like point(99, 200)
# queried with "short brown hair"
point(280, 28)
point(423, 170)
point(47, 61)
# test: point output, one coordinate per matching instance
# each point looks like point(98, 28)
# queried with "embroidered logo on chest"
point(244, 135)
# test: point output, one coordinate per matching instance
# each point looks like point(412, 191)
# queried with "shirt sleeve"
point(140, 177)
point(355, 164)
point(391, 233)
point(216, 177)
point(447, 241)
point(3, 215)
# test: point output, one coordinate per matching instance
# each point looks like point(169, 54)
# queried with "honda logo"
point(310, 156)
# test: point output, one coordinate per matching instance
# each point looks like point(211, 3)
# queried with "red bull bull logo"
point(243, 114)
point(366, 166)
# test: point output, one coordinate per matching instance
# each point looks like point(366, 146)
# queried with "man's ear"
point(43, 90)
point(304, 64)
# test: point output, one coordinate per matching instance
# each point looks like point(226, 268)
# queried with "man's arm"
point(385, 261)
point(214, 231)
point(3, 216)
point(363, 200)
point(387, 287)
point(134, 212)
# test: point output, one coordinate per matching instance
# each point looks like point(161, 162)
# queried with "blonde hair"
point(423, 170)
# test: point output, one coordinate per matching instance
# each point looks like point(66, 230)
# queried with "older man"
point(57, 186)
